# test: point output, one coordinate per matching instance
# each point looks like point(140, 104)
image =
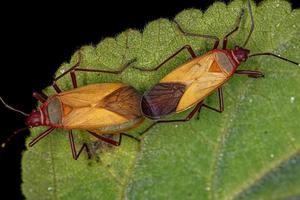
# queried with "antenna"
point(272, 54)
point(14, 109)
point(12, 136)
point(252, 24)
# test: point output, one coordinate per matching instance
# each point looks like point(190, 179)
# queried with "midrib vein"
point(129, 174)
point(53, 169)
point(264, 172)
point(221, 145)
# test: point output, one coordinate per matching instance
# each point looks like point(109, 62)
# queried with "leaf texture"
point(250, 151)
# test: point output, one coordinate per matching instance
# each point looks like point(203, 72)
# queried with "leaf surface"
point(250, 151)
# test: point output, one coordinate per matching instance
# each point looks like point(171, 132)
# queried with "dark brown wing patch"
point(124, 101)
point(162, 99)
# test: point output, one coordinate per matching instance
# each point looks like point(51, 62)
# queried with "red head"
point(240, 54)
point(34, 119)
point(39, 117)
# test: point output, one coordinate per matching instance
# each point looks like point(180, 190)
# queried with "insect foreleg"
point(250, 73)
point(41, 136)
point(41, 97)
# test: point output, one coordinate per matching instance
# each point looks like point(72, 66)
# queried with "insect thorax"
point(55, 111)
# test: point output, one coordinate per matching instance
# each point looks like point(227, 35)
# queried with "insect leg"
point(131, 136)
point(221, 103)
point(187, 118)
point(41, 136)
point(250, 73)
point(54, 84)
point(73, 78)
point(187, 47)
point(41, 97)
point(111, 141)
point(56, 88)
point(75, 68)
point(216, 39)
point(236, 27)
point(73, 147)
point(105, 139)
point(148, 128)
point(119, 71)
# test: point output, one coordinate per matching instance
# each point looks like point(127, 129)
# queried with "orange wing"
point(125, 101)
point(201, 76)
point(200, 89)
point(89, 94)
point(107, 106)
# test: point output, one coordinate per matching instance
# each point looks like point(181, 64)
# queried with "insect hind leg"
point(111, 141)
point(73, 147)
point(221, 103)
point(187, 118)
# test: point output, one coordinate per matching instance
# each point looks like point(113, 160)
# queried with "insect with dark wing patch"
point(189, 84)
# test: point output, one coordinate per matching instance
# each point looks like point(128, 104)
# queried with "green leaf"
point(250, 151)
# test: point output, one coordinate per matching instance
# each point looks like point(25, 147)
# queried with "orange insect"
point(104, 108)
point(189, 84)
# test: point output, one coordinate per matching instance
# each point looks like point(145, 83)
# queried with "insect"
point(189, 84)
point(104, 108)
